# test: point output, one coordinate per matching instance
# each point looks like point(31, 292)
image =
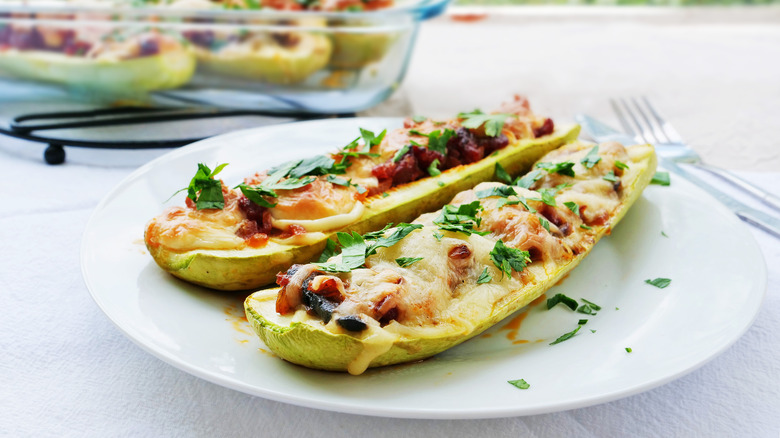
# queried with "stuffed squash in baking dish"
point(239, 238)
point(414, 290)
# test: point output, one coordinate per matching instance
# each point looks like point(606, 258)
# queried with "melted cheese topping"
point(325, 223)
point(184, 229)
point(440, 292)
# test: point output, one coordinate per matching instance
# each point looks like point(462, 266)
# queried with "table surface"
point(68, 371)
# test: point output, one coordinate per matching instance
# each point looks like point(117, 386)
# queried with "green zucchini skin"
point(253, 268)
point(148, 73)
point(311, 345)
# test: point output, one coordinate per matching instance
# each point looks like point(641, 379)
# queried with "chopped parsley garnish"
point(328, 252)
point(610, 176)
point(353, 253)
point(621, 165)
point(437, 141)
point(433, 169)
point(629, 350)
point(500, 191)
point(592, 158)
point(484, 277)
point(493, 122)
point(593, 305)
point(385, 194)
point(573, 207)
point(407, 261)
point(438, 235)
point(567, 336)
point(664, 234)
point(371, 139)
point(440, 183)
point(585, 227)
point(521, 383)
point(661, 178)
point(571, 303)
point(545, 223)
point(524, 201)
point(355, 248)
point(273, 182)
point(660, 283)
point(586, 309)
point(565, 168)
point(419, 119)
point(318, 165)
point(509, 259)
point(504, 201)
point(462, 218)
point(344, 182)
point(398, 232)
point(204, 190)
point(593, 330)
point(401, 152)
point(548, 194)
point(582, 322)
point(529, 179)
point(502, 174)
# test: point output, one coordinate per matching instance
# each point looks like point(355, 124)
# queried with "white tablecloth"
point(67, 371)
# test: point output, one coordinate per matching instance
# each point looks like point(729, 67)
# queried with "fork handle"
point(759, 193)
point(750, 215)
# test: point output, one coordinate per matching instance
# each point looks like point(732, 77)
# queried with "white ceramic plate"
point(717, 271)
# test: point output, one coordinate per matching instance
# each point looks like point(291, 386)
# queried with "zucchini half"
point(166, 70)
point(306, 340)
point(249, 268)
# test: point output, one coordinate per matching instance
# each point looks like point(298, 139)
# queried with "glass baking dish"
point(274, 60)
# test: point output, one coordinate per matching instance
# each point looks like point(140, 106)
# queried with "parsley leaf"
point(256, 194)
point(585, 227)
point(586, 309)
point(407, 261)
point(210, 189)
point(344, 182)
point(592, 158)
point(593, 305)
point(573, 207)
point(661, 178)
point(545, 223)
point(437, 141)
point(629, 350)
point(419, 119)
point(548, 194)
point(566, 336)
point(660, 283)
point(433, 169)
point(370, 139)
point(571, 303)
point(398, 233)
point(521, 384)
point(565, 168)
point(621, 165)
point(501, 191)
point(328, 252)
point(385, 194)
point(401, 152)
point(529, 179)
point(438, 235)
point(462, 218)
point(484, 277)
point(353, 253)
point(317, 165)
point(493, 122)
point(502, 174)
point(508, 259)
point(582, 322)
point(610, 176)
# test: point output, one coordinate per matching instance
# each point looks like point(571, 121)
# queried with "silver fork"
point(643, 122)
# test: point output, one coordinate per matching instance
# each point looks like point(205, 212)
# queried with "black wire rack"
point(35, 126)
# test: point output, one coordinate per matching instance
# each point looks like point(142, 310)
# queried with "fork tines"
point(640, 119)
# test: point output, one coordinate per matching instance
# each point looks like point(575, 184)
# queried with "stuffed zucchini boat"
point(417, 289)
point(239, 238)
point(117, 62)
